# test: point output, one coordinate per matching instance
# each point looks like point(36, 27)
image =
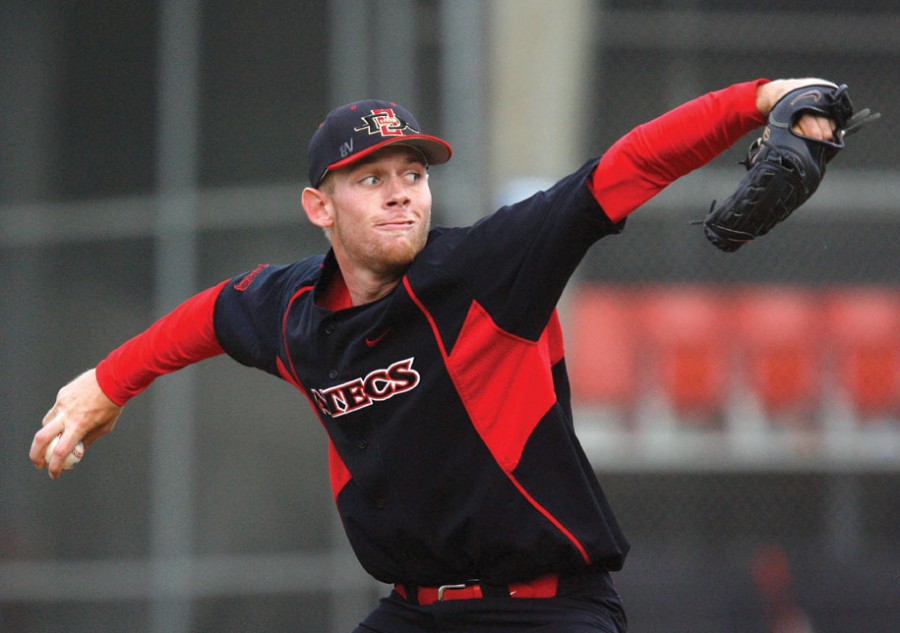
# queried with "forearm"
point(184, 336)
point(653, 155)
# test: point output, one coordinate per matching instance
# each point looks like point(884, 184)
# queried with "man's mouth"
point(396, 225)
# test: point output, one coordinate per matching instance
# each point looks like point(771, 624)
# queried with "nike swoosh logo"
point(372, 342)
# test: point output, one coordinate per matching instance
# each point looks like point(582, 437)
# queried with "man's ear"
point(317, 205)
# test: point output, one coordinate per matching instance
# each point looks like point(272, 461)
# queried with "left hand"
point(811, 125)
point(815, 127)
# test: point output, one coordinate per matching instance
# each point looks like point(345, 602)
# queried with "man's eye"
point(369, 180)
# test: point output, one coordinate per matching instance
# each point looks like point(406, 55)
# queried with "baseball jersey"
point(446, 403)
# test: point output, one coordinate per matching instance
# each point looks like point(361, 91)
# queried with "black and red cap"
point(353, 131)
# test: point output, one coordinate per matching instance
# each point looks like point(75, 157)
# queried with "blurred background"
point(741, 410)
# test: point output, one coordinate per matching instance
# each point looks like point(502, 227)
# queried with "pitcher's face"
point(380, 210)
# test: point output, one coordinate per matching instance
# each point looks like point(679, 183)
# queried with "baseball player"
point(434, 359)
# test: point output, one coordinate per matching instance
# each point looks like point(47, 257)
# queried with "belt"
point(543, 587)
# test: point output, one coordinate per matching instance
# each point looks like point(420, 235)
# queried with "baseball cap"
point(353, 131)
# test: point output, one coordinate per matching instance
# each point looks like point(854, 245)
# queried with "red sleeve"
point(184, 336)
point(653, 155)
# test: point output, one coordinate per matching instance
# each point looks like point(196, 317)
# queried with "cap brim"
point(435, 150)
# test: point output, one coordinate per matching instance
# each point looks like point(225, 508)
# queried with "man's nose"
point(398, 191)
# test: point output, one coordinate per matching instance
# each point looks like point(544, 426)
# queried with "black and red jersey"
point(446, 402)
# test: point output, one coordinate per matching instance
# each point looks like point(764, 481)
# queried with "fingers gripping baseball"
point(81, 413)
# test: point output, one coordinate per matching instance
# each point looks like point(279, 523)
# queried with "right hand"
point(82, 413)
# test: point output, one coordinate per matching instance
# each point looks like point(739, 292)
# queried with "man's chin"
point(398, 258)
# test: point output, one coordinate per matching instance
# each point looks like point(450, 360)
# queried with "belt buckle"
point(443, 588)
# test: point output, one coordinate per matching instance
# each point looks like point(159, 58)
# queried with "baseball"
point(73, 458)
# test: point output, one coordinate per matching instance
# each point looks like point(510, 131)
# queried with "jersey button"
point(362, 445)
point(329, 329)
point(333, 374)
point(380, 502)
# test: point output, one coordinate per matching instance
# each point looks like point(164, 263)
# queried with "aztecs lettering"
point(383, 121)
point(378, 385)
point(242, 285)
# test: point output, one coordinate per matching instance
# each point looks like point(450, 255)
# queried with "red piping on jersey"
point(337, 469)
point(286, 374)
point(284, 338)
point(507, 459)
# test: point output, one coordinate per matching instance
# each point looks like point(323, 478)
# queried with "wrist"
point(106, 381)
point(766, 96)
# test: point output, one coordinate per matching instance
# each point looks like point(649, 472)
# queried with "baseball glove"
point(783, 168)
